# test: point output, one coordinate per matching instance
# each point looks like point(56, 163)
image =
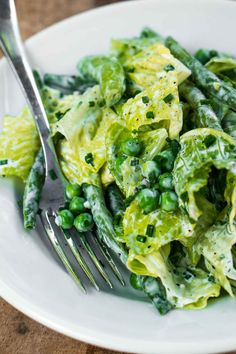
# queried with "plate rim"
point(92, 337)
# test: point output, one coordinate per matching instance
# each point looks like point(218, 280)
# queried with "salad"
point(146, 137)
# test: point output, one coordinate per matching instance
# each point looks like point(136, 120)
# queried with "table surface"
point(18, 333)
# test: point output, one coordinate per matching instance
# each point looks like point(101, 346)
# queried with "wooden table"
point(18, 333)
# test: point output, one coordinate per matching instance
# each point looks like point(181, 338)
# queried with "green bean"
point(67, 84)
point(115, 200)
point(205, 116)
point(204, 55)
point(103, 220)
point(156, 292)
point(205, 79)
point(32, 191)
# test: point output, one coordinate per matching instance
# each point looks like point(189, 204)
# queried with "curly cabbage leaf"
point(158, 106)
point(72, 167)
point(148, 67)
point(85, 126)
point(201, 149)
point(127, 174)
point(186, 286)
point(108, 72)
point(19, 144)
point(168, 226)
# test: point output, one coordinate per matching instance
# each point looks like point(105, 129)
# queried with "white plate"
point(30, 279)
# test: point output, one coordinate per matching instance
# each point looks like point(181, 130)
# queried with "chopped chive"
point(145, 99)
point(102, 103)
point(169, 67)
point(150, 115)
point(168, 98)
point(59, 115)
point(131, 70)
point(141, 238)
point(150, 230)
point(53, 175)
point(3, 162)
point(91, 103)
point(134, 162)
point(89, 159)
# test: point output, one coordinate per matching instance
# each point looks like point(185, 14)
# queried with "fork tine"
point(79, 258)
point(54, 241)
point(109, 259)
point(94, 259)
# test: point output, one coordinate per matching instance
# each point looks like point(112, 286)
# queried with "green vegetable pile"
point(145, 137)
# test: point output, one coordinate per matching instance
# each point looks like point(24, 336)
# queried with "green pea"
point(166, 181)
point(131, 147)
point(148, 199)
point(136, 281)
point(65, 219)
point(73, 190)
point(169, 201)
point(84, 222)
point(77, 205)
point(151, 171)
point(166, 160)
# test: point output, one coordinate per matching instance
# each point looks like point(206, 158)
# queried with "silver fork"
point(53, 195)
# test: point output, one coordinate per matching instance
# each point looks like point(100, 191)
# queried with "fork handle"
point(11, 43)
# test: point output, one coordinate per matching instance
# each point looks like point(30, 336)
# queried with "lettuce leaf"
point(158, 106)
point(128, 176)
point(126, 48)
point(216, 248)
point(168, 226)
point(72, 167)
point(19, 144)
point(201, 149)
point(230, 196)
point(152, 64)
point(186, 286)
point(85, 126)
point(219, 64)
